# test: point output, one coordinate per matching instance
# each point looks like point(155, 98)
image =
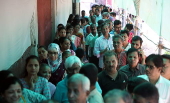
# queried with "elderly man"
point(118, 96)
point(110, 78)
point(102, 44)
point(166, 69)
point(72, 65)
point(133, 68)
point(78, 88)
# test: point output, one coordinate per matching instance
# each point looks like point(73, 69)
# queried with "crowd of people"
point(91, 60)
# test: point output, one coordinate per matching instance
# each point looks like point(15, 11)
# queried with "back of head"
point(156, 59)
point(129, 27)
point(133, 82)
point(72, 60)
point(166, 56)
point(80, 53)
point(148, 91)
point(124, 32)
point(91, 71)
point(116, 96)
point(117, 22)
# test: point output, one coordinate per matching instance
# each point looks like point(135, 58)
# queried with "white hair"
point(80, 78)
point(54, 45)
point(71, 60)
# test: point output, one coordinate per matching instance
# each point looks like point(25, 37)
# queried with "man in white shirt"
point(103, 44)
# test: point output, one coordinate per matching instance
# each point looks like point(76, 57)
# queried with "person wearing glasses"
point(154, 66)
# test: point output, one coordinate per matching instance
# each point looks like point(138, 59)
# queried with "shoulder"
point(61, 84)
point(123, 68)
point(143, 77)
point(42, 79)
point(166, 81)
point(101, 74)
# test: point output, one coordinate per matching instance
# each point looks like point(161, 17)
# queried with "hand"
point(141, 53)
point(31, 82)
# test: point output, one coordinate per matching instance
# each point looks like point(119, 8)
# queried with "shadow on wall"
point(18, 67)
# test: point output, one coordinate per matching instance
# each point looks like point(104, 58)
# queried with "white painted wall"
point(18, 29)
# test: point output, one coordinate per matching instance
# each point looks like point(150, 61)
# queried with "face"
point(45, 72)
point(76, 28)
point(110, 63)
point(105, 30)
point(13, 93)
point(83, 13)
point(32, 67)
point(114, 100)
point(93, 29)
point(42, 53)
point(99, 30)
point(66, 44)
point(97, 12)
point(133, 59)
point(62, 33)
point(110, 26)
point(66, 56)
point(76, 94)
point(136, 44)
point(117, 28)
point(73, 70)
point(125, 37)
point(70, 30)
point(151, 70)
point(166, 69)
point(117, 44)
point(53, 54)
point(91, 13)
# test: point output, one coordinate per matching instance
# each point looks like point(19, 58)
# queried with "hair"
point(147, 91)
point(100, 22)
point(104, 10)
point(7, 82)
point(80, 78)
point(82, 20)
point(80, 53)
point(62, 39)
point(124, 31)
point(156, 59)
point(132, 50)
point(117, 22)
point(108, 21)
point(43, 65)
point(27, 60)
point(109, 54)
point(65, 53)
point(62, 28)
point(105, 14)
point(60, 25)
point(116, 93)
point(92, 25)
point(133, 82)
point(136, 38)
point(4, 74)
point(166, 56)
point(42, 47)
point(118, 36)
point(90, 71)
point(69, 26)
point(71, 60)
point(104, 24)
point(113, 13)
point(70, 18)
point(129, 27)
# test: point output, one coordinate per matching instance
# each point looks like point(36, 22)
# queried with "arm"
point(142, 56)
point(46, 89)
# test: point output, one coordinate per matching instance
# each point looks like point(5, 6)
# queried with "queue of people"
point(91, 60)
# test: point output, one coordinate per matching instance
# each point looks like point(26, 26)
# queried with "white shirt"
point(163, 86)
point(95, 97)
point(100, 44)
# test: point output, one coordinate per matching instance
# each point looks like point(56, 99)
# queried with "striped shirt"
point(41, 86)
